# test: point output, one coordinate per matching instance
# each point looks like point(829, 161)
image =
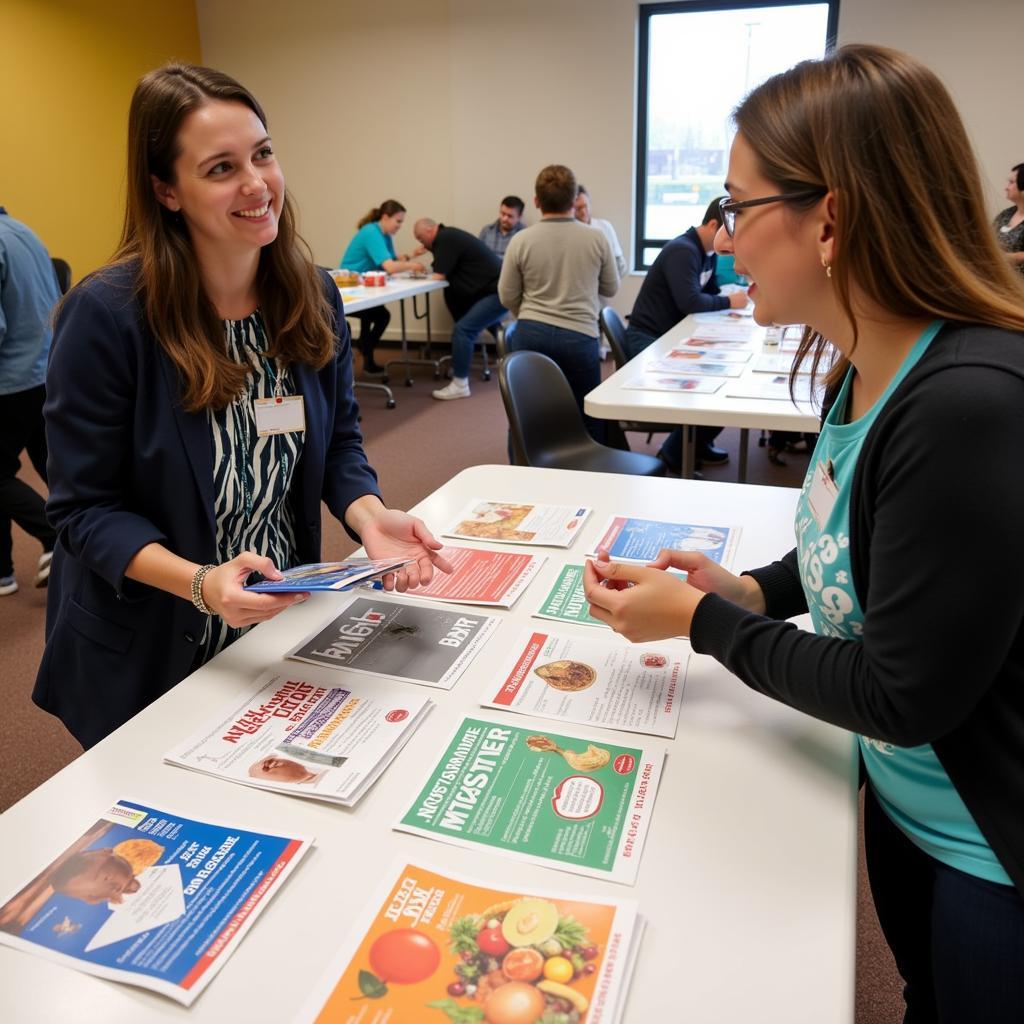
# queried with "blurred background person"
point(373, 248)
point(1009, 224)
point(499, 233)
point(28, 293)
point(582, 208)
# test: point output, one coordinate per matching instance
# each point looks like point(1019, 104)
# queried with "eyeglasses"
point(728, 207)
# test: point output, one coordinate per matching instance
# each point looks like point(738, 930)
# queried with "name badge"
point(279, 415)
point(823, 493)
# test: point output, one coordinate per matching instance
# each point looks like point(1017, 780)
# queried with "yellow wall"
point(66, 79)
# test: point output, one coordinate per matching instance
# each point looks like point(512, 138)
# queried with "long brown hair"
point(182, 318)
point(386, 209)
point(879, 130)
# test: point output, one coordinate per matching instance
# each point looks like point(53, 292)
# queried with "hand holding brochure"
point(328, 575)
point(150, 898)
point(630, 539)
point(434, 947)
point(304, 731)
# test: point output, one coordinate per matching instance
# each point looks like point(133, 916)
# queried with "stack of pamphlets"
point(328, 575)
point(407, 640)
point(306, 732)
point(435, 948)
point(151, 898)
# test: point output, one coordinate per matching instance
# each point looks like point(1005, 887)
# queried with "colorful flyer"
point(629, 539)
point(518, 523)
point(594, 682)
point(658, 382)
point(680, 356)
point(563, 800)
point(432, 948)
point(479, 576)
point(299, 731)
point(709, 366)
point(150, 898)
point(328, 575)
point(383, 636)
point(566, 601)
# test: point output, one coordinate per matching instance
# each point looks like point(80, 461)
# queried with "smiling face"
point(778, 248)
point(227, 184)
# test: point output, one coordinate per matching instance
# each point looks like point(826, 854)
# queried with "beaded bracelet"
point(197, 589)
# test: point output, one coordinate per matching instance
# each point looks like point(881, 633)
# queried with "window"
point(697, 61)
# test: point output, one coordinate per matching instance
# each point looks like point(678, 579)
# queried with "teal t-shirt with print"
point(368, 249)
point(910, 782)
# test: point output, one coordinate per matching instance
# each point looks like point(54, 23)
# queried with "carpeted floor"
point(415, 448)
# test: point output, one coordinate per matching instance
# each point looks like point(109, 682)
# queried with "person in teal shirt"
point(373, 248)
point(909, 550)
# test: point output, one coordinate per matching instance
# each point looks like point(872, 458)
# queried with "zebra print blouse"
point(251, 474)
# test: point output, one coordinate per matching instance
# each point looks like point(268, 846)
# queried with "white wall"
point(448, 106)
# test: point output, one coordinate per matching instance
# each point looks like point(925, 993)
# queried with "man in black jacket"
point(682, 281)
point(472, 272)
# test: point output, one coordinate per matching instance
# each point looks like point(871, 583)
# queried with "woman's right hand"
point(224, 591)
point(710, 577)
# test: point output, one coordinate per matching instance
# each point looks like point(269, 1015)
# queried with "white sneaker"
point(455, 388)
point(43, 569)
point(8, 585)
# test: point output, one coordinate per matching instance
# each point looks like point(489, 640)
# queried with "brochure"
point(629, 539)
point(772, 388)
point(299, 731)
point(150, 898)
point(677, 356)
point(694, 385)
point(328, 575)
point(726, 330)
point(605, 683)
point(575, 802)
point(566, 601)
point(707, 367)
point(383, 636)
point(434, 948)
point(517, 523)
point(717, 345)
point(483, 577)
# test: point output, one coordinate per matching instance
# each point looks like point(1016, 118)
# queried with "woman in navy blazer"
point(159, 463)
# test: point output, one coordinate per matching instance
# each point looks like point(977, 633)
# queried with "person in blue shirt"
point(28, 293)
point(909, 550)
point(373, 248)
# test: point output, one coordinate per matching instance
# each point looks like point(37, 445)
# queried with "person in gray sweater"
point(551, 281)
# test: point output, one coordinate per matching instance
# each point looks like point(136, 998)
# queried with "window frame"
point(644, 14)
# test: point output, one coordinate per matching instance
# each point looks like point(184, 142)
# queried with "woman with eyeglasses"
point(875, 236)
point(199, 409)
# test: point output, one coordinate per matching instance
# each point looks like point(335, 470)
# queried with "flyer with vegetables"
point(512, 522)
point(300, 731)
point(630, 539)
point(434, 949)
point(479, 576)
point(150, 898)
point(577, 803)
point(606, 683)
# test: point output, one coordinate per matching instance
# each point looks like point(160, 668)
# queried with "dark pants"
point(958, 940)
point(21, 429)
point(372, 325)
point(671, 451)
point(578, 356)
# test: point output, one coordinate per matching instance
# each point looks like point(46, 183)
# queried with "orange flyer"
point(433, 949)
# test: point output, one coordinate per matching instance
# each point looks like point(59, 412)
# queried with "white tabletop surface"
point(747, 881)
point(611, 401)
point(399, 287)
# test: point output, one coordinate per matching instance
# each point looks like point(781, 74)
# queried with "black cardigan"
point(937, 550)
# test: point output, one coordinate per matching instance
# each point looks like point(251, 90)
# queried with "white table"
point(398, 289)
point(610, 400)
point(747, 881)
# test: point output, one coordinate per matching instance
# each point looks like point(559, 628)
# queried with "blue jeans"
point(671, 451)
point(958, 940)
point(484, 313)
point(578, 356)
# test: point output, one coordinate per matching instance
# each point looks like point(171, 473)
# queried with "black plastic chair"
point(614, 331)
point(63, 271)
point(546, 426)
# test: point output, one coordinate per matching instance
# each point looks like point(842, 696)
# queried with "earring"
point(828, 267)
